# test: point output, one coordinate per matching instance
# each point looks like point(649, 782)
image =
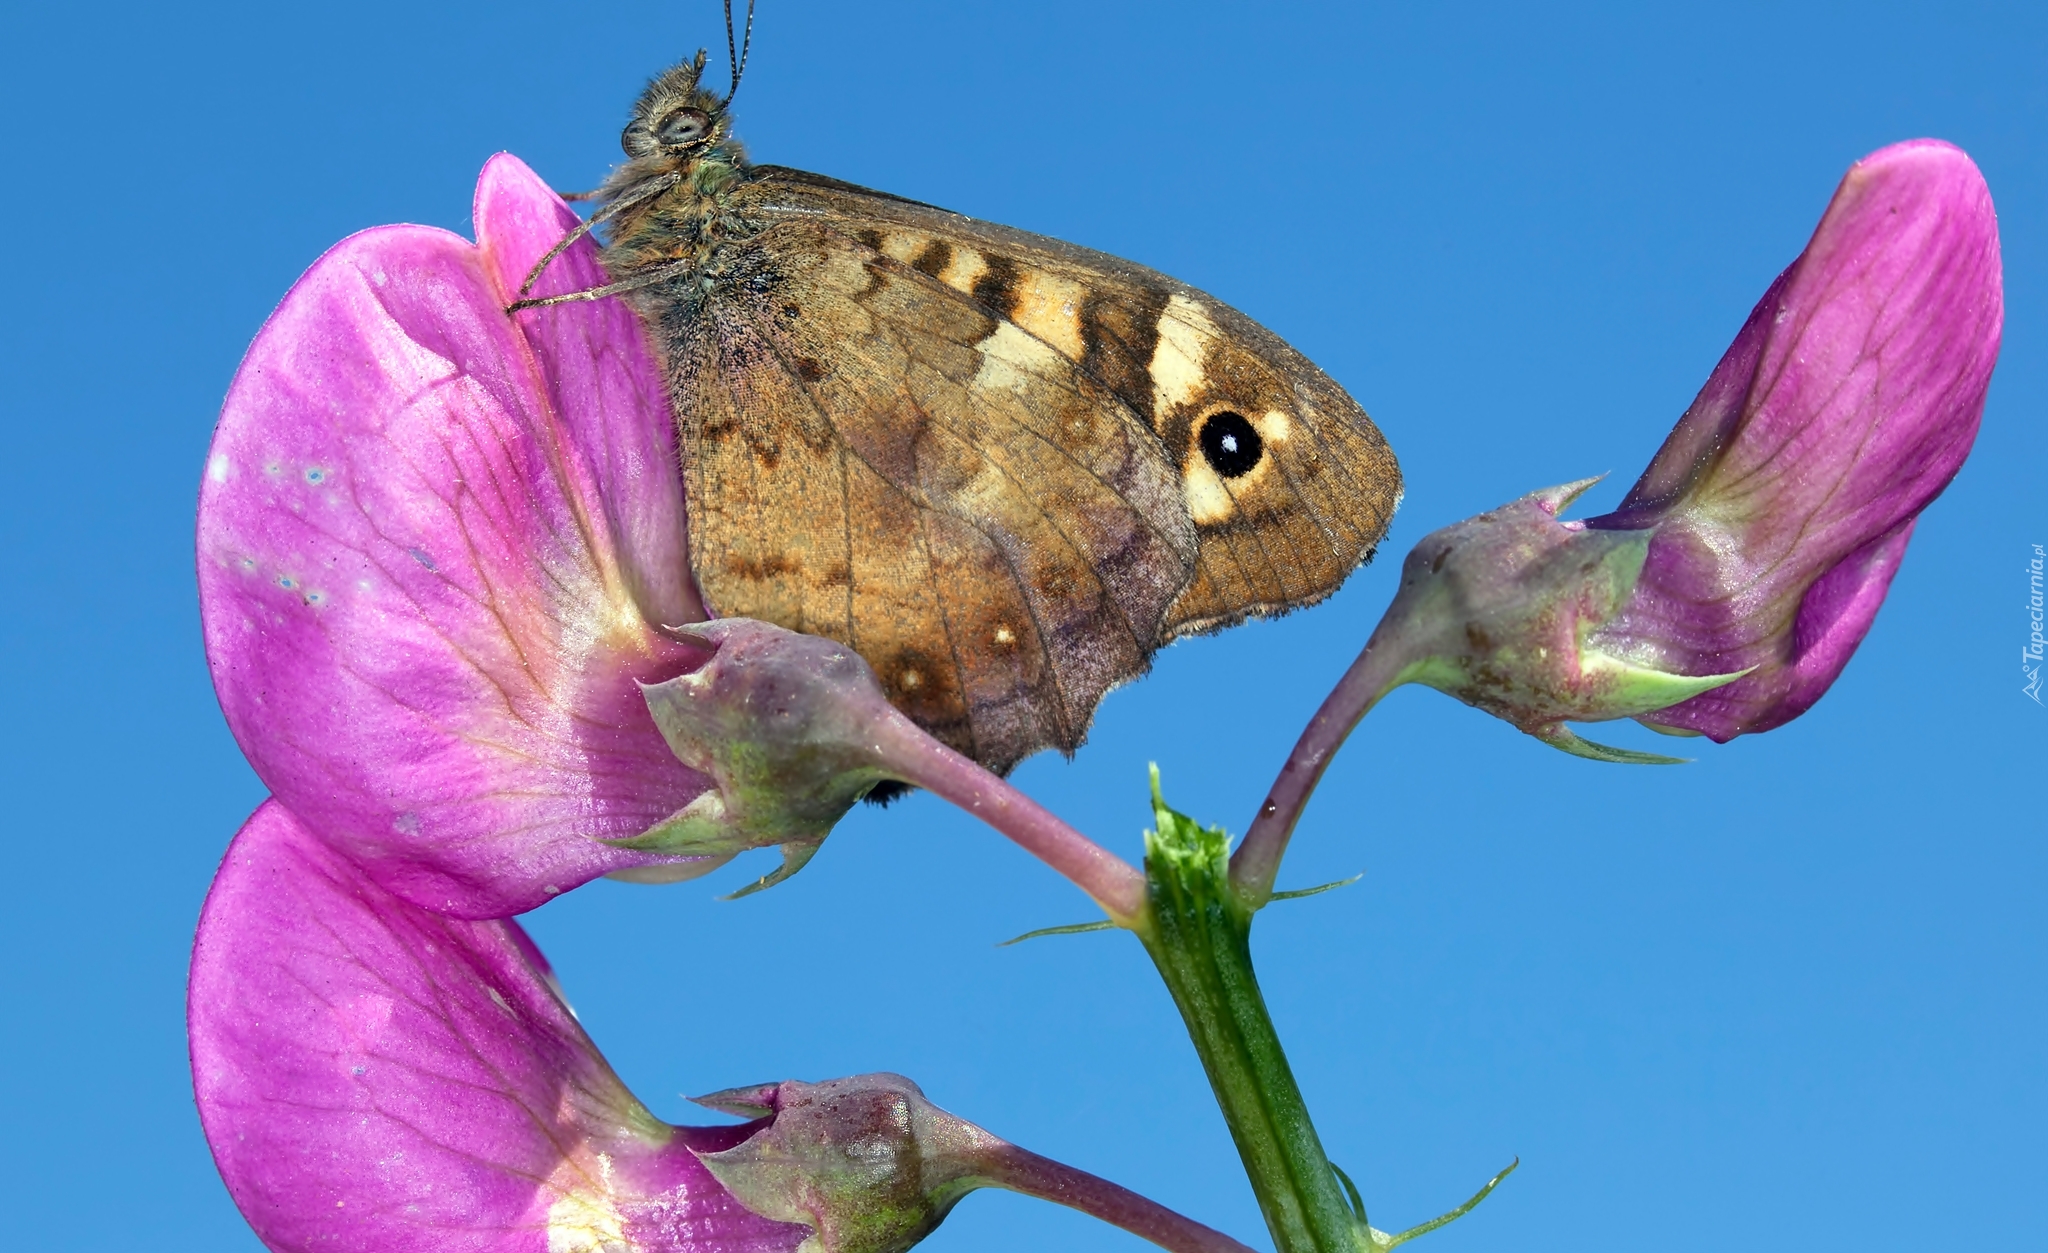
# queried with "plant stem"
point(1021, 1170)
point(1377, 671)
point(1198, 932)
point(915, 757)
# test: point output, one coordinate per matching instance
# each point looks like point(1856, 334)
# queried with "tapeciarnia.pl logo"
point(2030, 656)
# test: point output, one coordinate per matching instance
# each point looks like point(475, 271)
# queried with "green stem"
point(1198, 931)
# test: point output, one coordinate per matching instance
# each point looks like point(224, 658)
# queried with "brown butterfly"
point(1003, 469)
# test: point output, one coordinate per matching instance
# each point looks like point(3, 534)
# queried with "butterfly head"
point(679, 125)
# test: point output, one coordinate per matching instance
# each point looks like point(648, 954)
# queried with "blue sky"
point(1787, 996)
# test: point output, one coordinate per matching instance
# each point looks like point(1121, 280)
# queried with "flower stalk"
point(1379, 668)
point(872, 1166)
point(917, 758)
point(1197, 928)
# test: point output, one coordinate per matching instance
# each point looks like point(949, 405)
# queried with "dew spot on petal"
point(406, 824)
point(316, 475)
point(287, 582)
point(423, 559)
point(316, 598)
point(218, 467)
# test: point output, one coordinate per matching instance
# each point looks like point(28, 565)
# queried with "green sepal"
point(1557, 499)
point(1562, 738)
point(1511, 612)
point(796, 854)
point(754, 1101)
point(1641, 689)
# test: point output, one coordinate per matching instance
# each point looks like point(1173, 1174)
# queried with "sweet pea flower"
point(1732, 585)
point(437, 546)
point(374, 1077)
point(1736, 579)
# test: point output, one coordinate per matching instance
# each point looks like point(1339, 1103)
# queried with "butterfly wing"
point(873, 456)
point(1287, 482)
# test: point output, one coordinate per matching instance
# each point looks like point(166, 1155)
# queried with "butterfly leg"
point(654, 188)
point(647, 279)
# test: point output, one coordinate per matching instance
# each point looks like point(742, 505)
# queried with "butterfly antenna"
point(737, 56)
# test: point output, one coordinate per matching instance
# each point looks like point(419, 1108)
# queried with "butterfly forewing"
point(1287, 482)
point(875, 457)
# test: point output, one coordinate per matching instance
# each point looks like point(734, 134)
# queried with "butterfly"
point(1003, 469)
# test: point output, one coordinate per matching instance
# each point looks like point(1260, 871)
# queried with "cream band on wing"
point(1185, 332)
point(1050, 307)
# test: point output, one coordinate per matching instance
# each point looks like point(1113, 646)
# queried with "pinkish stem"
point(1377, 671)
point(1021, 1170)
point(917, 758)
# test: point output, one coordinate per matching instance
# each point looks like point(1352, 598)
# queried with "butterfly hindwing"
point(874, 456)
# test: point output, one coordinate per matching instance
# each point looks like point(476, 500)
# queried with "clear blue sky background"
point(1788, 997)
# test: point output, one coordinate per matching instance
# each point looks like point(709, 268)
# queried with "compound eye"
point(1231, 444)
point(683, 127)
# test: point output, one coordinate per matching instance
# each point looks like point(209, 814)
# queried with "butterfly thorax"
point(673, 191)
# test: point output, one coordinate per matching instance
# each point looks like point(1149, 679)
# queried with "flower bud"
point(868, 1163)
point(1736, 579)
point(784, 725)
point(871, 1166)
point(1498, 610)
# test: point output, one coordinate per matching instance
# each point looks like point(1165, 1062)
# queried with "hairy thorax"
point(693, 221)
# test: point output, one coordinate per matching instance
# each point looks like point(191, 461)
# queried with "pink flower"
point(1733, 584)
point(436, 544)
point(1783, 501)
point(375, 1077)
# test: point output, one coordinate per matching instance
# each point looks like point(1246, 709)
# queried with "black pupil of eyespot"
point(1231, 443)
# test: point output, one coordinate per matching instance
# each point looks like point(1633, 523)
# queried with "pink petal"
point(1837, 612)
point(418, 626)
point(601, 382)
point(379, 1078)
point(1847, 403)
